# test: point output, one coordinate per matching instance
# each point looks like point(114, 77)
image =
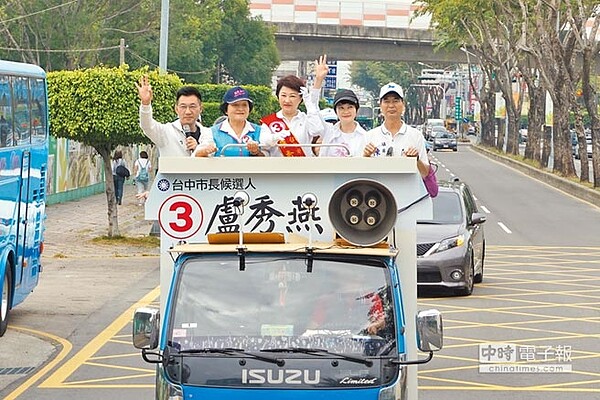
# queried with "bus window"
point(38, 111)
point(5, 113)
point(22, 112)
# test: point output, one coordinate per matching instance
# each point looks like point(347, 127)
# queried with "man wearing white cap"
point(394, 137)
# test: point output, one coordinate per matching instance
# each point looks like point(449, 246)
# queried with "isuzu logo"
point(289, 376)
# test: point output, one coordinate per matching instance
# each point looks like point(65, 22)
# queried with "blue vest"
point(223, 138)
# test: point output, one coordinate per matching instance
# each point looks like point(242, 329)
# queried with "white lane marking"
point(484, 208)
point(504, 228)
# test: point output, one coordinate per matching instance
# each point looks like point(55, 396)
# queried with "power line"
point(59, 51)
point(168, 69)
point(37, 12)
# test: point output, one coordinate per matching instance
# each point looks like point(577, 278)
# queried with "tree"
point(539, 42)
point(247, 51)
point(74, 34)
point(98, 107)
point(373, 75)
point(208, 39)
point(209, 42)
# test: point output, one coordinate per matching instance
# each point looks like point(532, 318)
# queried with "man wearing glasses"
point(180, 137)
point(394, 137)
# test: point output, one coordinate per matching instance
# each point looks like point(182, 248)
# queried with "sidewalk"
point(79, 277)
point(71, 226)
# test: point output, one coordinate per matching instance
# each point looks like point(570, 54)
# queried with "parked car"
point(523, 134)
point(444, 140)
point(588, 143)
point(329, 115)
point(574, 142)
point(431, 124)
point(451, 246)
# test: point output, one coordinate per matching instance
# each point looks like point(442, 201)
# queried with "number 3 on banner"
point(180, 216)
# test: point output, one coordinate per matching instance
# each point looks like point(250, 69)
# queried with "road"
point(541, 291)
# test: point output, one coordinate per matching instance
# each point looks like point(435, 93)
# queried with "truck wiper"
point(306, 350)
point(234, 351)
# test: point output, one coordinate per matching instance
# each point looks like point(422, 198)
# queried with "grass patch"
point(142, 241)
point(536, 164)
point(59, 255)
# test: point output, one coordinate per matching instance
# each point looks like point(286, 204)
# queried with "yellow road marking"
point(66, 348)
point(57, 379)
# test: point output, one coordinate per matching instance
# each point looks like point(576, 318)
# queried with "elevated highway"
point(305, 41)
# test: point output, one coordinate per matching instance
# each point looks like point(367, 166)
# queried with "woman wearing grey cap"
point(347, 133)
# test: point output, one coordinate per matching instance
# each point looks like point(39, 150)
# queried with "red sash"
point(277, 125)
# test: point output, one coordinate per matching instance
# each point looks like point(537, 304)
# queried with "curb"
point(573, 188)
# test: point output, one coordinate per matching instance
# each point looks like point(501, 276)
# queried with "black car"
point(451, 246)
point(444, 140)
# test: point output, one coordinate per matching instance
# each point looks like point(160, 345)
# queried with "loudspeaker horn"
point(363, 211)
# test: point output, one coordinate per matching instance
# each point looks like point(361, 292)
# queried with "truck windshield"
point(342, 307)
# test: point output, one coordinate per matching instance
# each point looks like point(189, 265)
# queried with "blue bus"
point(23, 175)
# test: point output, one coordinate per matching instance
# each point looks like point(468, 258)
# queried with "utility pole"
point(164, 36)
point(122, 52)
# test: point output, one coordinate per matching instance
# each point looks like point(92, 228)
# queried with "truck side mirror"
point(145, 328)
point(430, 336)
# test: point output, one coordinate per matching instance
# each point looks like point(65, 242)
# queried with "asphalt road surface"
point(539, 305)
point(530, 330)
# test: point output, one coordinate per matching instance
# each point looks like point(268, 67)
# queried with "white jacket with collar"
point(169, 138)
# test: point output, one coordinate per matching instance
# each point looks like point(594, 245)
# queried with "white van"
point(430, 124)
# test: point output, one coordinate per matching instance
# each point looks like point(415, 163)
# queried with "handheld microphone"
point(186, 130)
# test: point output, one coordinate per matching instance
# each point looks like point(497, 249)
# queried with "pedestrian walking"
point(177, 138)
point(289, 125)
point(120, 173)
point(141, 173)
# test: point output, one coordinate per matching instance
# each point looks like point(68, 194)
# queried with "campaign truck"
point(287, 278)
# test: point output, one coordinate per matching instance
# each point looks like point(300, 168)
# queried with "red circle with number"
point(180, 216)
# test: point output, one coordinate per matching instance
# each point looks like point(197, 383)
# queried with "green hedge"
point(99, 106)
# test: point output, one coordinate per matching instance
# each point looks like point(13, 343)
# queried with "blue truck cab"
point(296, 282)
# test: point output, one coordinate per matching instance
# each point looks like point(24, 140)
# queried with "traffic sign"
point(457, 109)
point(330, 82)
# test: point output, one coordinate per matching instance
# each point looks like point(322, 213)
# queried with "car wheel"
point(5, 305)
point(478, 278)
point(469, 280)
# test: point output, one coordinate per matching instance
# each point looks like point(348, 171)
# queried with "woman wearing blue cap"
point(235, 130)
point(347, 136)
